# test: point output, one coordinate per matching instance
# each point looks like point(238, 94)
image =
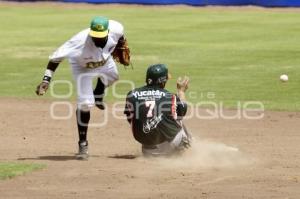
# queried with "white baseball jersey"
point(81, 50)
point(88, 61)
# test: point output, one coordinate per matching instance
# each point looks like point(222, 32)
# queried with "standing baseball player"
point(155, 114)
point(91, 55)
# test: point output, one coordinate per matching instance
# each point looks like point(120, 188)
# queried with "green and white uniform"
point(89, 61)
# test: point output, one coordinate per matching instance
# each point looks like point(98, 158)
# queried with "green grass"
point(236, 54)
point(10, 170)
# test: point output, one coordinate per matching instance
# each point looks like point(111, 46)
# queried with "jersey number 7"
point(150, 105)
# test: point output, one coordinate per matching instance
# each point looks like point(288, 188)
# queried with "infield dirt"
point(230, 158)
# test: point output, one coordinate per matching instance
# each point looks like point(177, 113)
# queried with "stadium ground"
point(266, 165)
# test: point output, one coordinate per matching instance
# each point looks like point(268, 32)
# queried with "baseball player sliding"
point(155, 114)
point(91, 54)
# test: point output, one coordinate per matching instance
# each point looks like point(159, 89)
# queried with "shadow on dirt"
point(57, 157)
point(52, 158)
point(123, 156)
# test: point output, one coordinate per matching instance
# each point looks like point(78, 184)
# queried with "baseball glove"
point(42, 88)
point(121, 52)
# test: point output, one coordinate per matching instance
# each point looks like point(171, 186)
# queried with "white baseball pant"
point(84, 81)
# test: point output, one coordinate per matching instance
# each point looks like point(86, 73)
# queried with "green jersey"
point(154, 114)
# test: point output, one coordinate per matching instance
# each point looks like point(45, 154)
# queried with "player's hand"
point(42, 88)
point(182, 83)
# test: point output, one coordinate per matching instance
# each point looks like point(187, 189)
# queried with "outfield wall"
point(265, 3)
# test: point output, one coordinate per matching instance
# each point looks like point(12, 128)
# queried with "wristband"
point(47, 75)
point(46, 79)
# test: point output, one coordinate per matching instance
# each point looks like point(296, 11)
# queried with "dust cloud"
point(208, 154)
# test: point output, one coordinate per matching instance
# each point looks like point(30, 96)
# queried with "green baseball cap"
point(99, 27)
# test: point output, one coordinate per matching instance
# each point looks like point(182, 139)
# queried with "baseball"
point(284, 78)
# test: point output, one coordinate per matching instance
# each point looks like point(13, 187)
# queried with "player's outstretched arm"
point(43, 86)
point(182, 86)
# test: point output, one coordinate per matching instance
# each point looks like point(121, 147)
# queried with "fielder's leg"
point(85, 101)
point(107, 75)
point(99, 94)
point(83, 118)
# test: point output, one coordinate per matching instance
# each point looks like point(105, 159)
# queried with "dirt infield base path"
point(234, 158)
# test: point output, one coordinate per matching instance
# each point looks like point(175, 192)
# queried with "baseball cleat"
point(83, 153)
point(100, 105)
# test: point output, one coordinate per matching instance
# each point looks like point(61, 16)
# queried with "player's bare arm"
point(182, 86)
point(44, 85)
